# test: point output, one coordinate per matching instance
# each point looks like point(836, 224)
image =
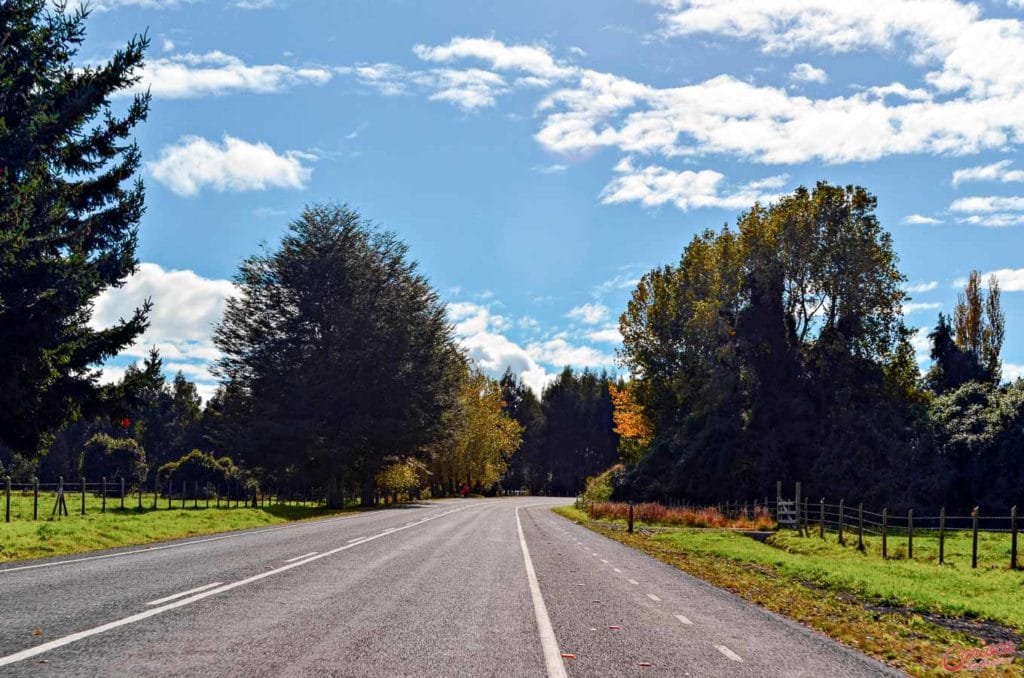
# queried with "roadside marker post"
point(842, 511)
point(860, 526)
point(974, 538)
point(1013, 538)
point(35, 498)
point(942, 535)
point(83, 495)
point(821, 516)
point(885, 532)
point(7, 492)
point(910, 534)
point(631, 516)
point(103, 505)
point(122, 493)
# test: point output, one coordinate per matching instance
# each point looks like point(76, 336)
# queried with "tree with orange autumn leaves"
point(631, 423)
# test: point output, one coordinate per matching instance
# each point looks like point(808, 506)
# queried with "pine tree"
point(68, 215)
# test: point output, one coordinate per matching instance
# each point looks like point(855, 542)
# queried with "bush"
point(600, 487)
point(200, 467)
point(113, 459)
point(656, 514)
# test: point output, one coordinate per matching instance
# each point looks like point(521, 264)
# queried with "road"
point(450, 588)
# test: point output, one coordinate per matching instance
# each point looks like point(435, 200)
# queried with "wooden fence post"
point(218, 495)
point(1013, 538)
point(7, 492)
point(821, 515)
point(796, 510)
point(910, 534)
point(860, 526)
point(195, 494)
point(974, 538)
point(942, 535)
point(184, 491)
point(885, 532)
point(170, 491)
point(778, 500)
point(842, 519)
point(83, 495)
point(103, 484)
point(35, 497)
point(630, 528)
point(122, 493)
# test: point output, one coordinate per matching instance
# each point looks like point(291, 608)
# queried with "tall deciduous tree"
point(68, 215)
point(337, 354)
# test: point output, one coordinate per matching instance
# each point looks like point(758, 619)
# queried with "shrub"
point(201, 467)
point(656, 514)
point(599, 487)
point(112, 458)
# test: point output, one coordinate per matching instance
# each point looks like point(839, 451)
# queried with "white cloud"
point(551, 169)
point(236, 165)
point(607, 335)
point(808, 73)
point(1012, 371)
point(560, 352)
point(184, 76)
point(589, 313)
point(922, 287)
point(388, 79)
point(914, 307)
point(654, 186)
point(530, 59)
point(185, 308)
point(997, 171)
point(107, 5)
point(920, 219)
point(992, 211)
point(922, 345)
point(469, 89)
point(626, 279)
point(1010, 279)
point(491, 350)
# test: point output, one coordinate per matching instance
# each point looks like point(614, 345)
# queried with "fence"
point(851, 523)
point(81, 497)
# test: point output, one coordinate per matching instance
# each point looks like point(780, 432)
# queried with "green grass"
point(24, 538)
point(904, 612)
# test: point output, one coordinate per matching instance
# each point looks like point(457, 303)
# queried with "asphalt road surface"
point(498, 587)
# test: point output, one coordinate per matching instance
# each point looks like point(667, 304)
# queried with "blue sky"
point(539, 156)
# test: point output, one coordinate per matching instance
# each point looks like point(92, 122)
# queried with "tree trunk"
point(369, 487)
point(335, 492)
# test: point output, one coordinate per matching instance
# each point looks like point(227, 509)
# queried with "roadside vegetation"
point(24, 539)
point(907, 613)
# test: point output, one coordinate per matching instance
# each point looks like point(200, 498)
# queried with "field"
point(24, 538)
point(908, 613)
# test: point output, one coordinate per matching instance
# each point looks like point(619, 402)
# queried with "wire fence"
point(892, 534)
point(47, 500)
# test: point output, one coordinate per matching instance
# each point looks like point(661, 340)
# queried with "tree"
point(68, 222)
point(523, 405)
point(631, 422)
point(980, 325)
point(482, 437)
point(775, 351)
point(337, 355)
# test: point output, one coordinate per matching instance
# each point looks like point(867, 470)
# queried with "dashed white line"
point(304, 555)
point(161, 601)
point(552, 656)
point(654, 597)
point(684, 620)
point(353, 540)
point(728, 653)
point(604, 561)
point(617, 570)
point(634, 582)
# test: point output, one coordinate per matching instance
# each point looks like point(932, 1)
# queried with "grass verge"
point(24, 539)
point(908, 614)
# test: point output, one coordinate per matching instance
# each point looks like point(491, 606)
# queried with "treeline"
point(777, 351)
point(568, 433)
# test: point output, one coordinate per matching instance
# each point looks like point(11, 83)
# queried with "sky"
point(538, 157)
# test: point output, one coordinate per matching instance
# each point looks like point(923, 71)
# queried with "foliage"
point(482, 437)
point(969, 349)
point(401, 477)
point(337, 354)
point(777, 352)
point(599, 488)
point(200, 467)
point(522, 404)
point(113, 459)
point(631, 423)
point(67, 220)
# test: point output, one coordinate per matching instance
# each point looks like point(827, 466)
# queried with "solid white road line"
point(552, 656)
point(67, 640)
point(684, 620)
point(161, 601)
point(604, 561)
point(728, 653)
point(304, 555)
point(617, 570)
point(654, 597)
point(634, 582)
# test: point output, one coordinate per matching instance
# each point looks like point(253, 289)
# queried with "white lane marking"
point(304, 555)
point(167, 599)
point(552, 656)
point(235, 535)
point(131, 619)
point(604, 561)
point(352, 540)
point(728, 653)
point(634, 582)
point(617, 570)
point(684, 620)
point(654, 597)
